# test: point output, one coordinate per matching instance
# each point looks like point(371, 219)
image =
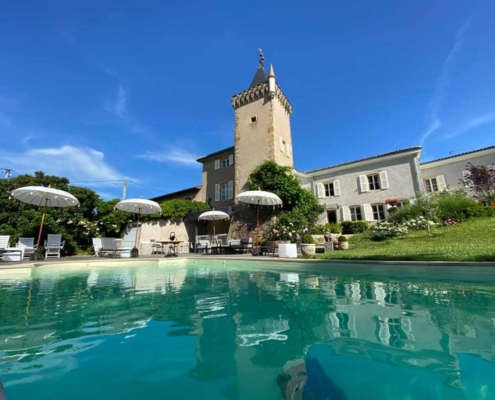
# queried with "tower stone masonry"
point(262, 126)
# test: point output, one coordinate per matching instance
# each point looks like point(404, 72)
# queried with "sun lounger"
point(53, 245)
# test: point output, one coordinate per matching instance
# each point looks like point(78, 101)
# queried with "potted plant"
point(343, 243)
point(308, 246)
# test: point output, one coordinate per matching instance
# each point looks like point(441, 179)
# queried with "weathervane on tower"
point(262, 57)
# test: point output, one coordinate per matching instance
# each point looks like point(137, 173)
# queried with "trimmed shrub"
point(342, 239)
point(330, 228)
point(352, 227)
point(308, 239)
point(379, 236)
point(478, 211)
point(452, 204)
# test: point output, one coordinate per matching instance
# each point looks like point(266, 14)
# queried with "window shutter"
point(281, 144)
point(367, 212)
point(217, 164)
point(346, 213)
point(321, 190)
point(217, 192)
point(441, 183)
point(363, 183)
point(231, 189)
point(231, 159)
point(383, 180)
point(336, 187)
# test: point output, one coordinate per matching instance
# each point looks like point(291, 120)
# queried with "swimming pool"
point(205, 329)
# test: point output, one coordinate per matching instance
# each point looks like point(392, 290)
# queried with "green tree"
point(300, 206)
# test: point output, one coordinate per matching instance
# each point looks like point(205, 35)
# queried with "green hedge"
point(331, 228)
point(351, 227)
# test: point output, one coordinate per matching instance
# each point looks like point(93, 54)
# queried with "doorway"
point(332, 216)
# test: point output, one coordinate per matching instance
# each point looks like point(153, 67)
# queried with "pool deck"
point(242, 257)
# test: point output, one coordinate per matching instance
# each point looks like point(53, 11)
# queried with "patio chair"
point(27, 244)
point(53, 245)
point(156, 247)
point(4, 242)
point(97, 246)
point(109, 246)
point(245, 243)
point(204, 245)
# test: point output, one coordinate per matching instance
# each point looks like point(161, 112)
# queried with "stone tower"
point(262, 126)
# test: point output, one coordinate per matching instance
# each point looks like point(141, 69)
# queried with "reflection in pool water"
point(201, 330)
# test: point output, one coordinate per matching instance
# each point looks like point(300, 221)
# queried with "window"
point(254, 118)
point(431, 185)
point(329, 189)
point(225, 162)
point(356, 213)
point(374, 182)
point(378, 211)
point(224, 191)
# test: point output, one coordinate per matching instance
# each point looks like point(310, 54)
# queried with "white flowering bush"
point(419, 223)
point(388, 229)
point(281, 232)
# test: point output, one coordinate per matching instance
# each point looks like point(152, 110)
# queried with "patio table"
point(173, 247)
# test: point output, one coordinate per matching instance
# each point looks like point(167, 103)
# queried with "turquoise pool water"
point(206, 330)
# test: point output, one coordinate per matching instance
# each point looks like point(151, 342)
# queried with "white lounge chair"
point(97, 246)
point(53, 245)
point(112, 246)
point(27, 244)
point(4, 242)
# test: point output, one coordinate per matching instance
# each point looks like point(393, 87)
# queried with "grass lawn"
point(469, 241)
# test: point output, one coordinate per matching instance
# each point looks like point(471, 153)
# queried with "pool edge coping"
point(485, 264)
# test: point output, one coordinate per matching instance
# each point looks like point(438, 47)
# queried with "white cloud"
point(432, 117)
point(177, 156)
point(75, 163)
point(472, 124)
point(119, 106)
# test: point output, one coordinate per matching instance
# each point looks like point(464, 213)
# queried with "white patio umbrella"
point(139, 206)
point(44, 197)
point(213, 215)
point(259, 198)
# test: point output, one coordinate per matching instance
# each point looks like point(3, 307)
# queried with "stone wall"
point(243, 221)
point(161, 229)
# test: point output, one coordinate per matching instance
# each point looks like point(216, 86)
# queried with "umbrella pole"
point(41, 225)
point(137, 229)
point(257, 223)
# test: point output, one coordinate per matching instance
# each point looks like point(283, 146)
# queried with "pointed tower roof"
point(259, 77)
point(271, 73)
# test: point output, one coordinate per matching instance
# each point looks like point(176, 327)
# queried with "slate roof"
point(176, 193)
point(231, 148)
point(405, 150)
point(259, 77)
point(458, 155)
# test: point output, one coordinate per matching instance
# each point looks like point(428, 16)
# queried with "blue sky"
point(99, 91)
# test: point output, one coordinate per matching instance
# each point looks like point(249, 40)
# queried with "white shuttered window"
point(231, 189)
point(336, 187)
point(321, 190)
point(345, 213)
point(441, 183)
point(217, 192)
point(367, 212)
point(363, 183)
point(217, 164)
point(384, 180)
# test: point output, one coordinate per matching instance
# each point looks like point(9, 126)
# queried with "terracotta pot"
point(308, 249)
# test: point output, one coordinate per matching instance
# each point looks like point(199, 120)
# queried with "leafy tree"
point(481, 182)
point(300, 206)
point(179, 208)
